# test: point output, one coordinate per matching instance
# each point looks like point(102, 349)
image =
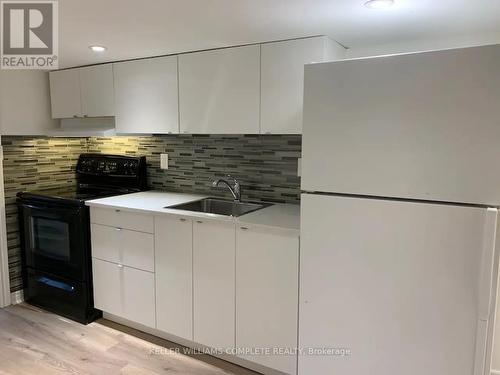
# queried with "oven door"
point(55, 238)
point(64, 297)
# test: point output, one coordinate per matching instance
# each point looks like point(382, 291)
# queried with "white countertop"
point(281, 216)
point(285, 216)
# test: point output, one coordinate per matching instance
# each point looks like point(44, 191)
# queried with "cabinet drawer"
point(125, 292)
point(122, 219)
point(123, 246)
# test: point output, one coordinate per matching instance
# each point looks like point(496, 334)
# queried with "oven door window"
point(55, 239)
point(51, 238)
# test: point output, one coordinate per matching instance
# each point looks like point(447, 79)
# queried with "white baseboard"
point(17, 297)
point(192, 345)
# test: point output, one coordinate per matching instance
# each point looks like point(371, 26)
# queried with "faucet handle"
point(232, 178)
point(235, 189)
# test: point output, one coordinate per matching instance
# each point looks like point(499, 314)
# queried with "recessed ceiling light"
point(98, 48)
point(379, 4)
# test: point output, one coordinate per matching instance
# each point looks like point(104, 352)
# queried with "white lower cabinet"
point(210, 282)
point(124, 291)
point(174, 275)
point(214, 283)
point(267, 278)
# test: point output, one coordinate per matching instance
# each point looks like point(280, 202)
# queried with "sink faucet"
point(235, 189)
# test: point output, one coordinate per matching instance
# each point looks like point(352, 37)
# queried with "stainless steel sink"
point(220, 207)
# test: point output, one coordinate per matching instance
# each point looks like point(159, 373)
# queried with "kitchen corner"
point(250, 187)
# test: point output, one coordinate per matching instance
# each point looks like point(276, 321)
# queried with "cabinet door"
point(97, 91)
point(138, 288)
point(174, 275)
point(125, 292)
point(282, 82)
point(65, 93)
point(146, 96)
point(214, 281)
point(267, 272)
point(219, 91)
point(107, 286)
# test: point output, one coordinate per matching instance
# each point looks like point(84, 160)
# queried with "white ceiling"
point(140, 28)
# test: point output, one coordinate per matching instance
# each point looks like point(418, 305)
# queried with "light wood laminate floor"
point(35, 342)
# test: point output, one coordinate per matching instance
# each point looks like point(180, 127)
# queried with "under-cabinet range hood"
point(85, 127)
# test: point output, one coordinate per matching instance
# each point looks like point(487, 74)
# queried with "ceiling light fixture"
point(379, 4)
point(98, 48)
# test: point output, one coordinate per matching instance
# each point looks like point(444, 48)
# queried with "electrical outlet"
point(164, 161)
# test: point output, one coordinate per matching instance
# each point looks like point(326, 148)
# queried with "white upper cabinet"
point(219, 91)
point(65, 94)
point(146, 96)
point(96, 85)
point(83, 92)
point(282, 80)
point(254, 89)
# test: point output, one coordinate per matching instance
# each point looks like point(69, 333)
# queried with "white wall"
point(25, 102)
point(424, 45)
point(24, 110)
point(4, 266)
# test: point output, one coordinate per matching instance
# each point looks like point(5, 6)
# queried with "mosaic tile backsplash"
point(265, 165)
point(33, 164)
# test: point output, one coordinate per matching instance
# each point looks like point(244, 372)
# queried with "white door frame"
point(4, 258)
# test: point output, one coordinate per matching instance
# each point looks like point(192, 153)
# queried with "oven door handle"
point(56, 284)
point(35, 207)
point(51, 209)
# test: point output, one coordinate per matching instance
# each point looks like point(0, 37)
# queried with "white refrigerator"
point(401, 184)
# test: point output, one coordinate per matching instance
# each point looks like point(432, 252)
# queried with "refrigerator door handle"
point(487, 263)
point(481, 345)
point(486, 289)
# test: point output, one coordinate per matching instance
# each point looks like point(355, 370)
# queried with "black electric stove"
point(55, 233)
